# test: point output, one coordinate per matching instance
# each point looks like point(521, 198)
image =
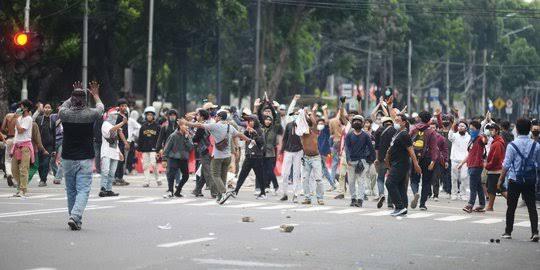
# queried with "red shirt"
point(475, 159)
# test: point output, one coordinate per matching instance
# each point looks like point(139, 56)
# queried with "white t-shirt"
point(26, 123)
point(108, 150)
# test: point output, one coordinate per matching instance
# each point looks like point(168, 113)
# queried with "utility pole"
point(257, 50)
point(24, 90)
point(409, 77)
point(366, 101)
point(149, 56)
point(85, 47)
point(447, 84)
point(484, 83)
point(218, 68)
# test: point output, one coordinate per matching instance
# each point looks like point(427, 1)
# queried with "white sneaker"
point(453, 198)
point(168, 195)
point(257, 192)
point(436, 199)
point(274, 193)
point(261, 197)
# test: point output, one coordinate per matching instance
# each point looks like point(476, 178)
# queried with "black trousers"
point(131, 159)
point(173, 166)
point(427, 176)
point(120, 168)
point(255, 164)
point(436, 179)
point(527, 192)
point(3, 160)
point(397, 185)
point(268, 173)
point(43, 167)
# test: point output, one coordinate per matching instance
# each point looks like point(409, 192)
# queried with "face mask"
point(535, 133)
point(462, 132)
point(357, 126)
point(320, 127)
point(474, 134)
point(19, 111)
point(397, 126)
point(487, 133)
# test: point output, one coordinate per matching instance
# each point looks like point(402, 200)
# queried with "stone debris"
point(248, 219)
point(286, 228)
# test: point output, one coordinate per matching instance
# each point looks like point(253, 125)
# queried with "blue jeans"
point(475, 185)
point(335, 163)
point(108, 168)
point(78, 177)
point(312, 177)
point(327, 174)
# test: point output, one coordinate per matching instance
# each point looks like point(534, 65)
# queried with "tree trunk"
point(4, 93)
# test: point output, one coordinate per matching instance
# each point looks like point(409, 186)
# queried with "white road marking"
point(105, 199)
point(420, 215)
point(42, 196)
point(57, 199)
point(47, 211)
point(314, 208)
point(244, 263)
point(277, 207)
point(204, 203)
point(244, 205)
point(275, 227)
point(488, 221)
point(347, 211)
point(526, 223)
point(174, 201)
point(186, 242)
point(452, 218)
point(378, 213)
point(6, 195)
point(144, 199)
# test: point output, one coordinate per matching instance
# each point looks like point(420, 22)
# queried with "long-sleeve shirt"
point(178, 146)
point(496, 155)
point(512, 161)
point(459, 145)
point(358, 147)
point(148, 136)
point(257, 151)
point(443, 149)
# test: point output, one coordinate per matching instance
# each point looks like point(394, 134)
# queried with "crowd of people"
point(435, 154)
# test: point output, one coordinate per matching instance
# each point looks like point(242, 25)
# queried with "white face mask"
point(487, 132)
point(397, 126)
point(320, 127)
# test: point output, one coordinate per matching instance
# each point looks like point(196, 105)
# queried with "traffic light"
point(26, 49)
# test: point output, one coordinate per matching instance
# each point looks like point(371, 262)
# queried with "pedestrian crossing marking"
point(174, 201)
point(420, 215)
point(347, 211)
point(488, 221)
point(315, 208)
point(379, 213)
point(276, 227)
point(452, 218)
point(106, 199)
point(204, 203)
point(245, 205)
point(42, 196)
point(277, 207)
point(526, 223)
point(144, 199)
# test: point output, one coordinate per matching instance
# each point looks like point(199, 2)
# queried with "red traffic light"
point(20, 39)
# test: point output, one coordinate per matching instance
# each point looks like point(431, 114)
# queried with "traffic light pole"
point(24, 90)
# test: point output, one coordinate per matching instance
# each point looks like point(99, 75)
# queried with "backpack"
point(419, 143)
point(527, 171)
point(223, 144)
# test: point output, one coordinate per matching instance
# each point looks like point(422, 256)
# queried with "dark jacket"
point(257, 151)
point(47, 129)
point(166, 130)
point(201, 139)
point(383, 139)
point(323, 141)
point(148, 137)
point(178, 146)
point(291, 141)
point(358, 147)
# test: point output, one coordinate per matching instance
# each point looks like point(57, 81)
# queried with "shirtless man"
point(311, 162)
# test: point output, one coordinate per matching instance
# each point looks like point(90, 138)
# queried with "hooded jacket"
point(496, 154)
point(430, 145)
point(148, 137)
point(258, 150)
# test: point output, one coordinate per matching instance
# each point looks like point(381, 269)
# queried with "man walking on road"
point(78, 151)
point(520, 164)
point(148, 136)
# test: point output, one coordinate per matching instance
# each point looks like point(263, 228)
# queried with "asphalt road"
point(140, 230)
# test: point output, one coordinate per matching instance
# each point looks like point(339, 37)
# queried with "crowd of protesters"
point(435, 154)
